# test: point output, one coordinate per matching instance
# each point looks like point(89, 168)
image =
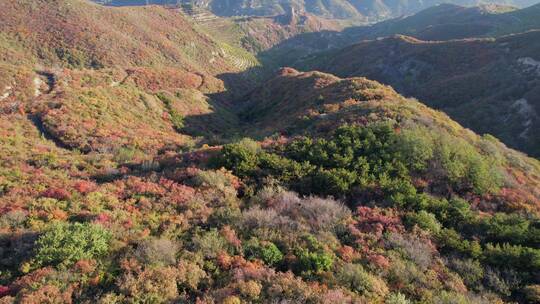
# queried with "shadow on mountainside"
point(239, 85)
point(224, 124)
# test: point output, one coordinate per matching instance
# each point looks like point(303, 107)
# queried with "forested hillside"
point(144, 158)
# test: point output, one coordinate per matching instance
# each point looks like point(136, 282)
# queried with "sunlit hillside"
point(157, 154)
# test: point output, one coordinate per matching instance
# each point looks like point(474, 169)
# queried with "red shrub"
point(85, 187)
point(370, 225)
point(177, 193)
point(377, 221)
point(57, 193)
point(102, 218)
point(4, 291)
point(251, 271)
point(85, 266)
point(379, 261)
point(224, 260)
point(47, 294)
point(31, 278)
point(230, 235)
point(155, 80)
point(136, 185)
point(127, 224)
point(347, 253)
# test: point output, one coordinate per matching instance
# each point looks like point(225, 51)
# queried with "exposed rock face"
point(530, 64)
point(528, 114)
point(292, 16)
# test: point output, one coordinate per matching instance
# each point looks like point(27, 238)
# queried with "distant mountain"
point(331, 8)
point(356, 9)
point(489, 85)
point(449, 21)
point(442, 22)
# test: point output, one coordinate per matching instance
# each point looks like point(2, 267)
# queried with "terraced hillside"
point(142, 36)
point(118, 61)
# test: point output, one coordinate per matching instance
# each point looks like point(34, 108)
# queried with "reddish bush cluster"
point(135, 185)
point(230, 236)
point(377, 221)
point(379, 261)
point(84, 186)
point(57, 193)
point(4, 291)
point(370, 224)
point(176, 193)
point(163, 79)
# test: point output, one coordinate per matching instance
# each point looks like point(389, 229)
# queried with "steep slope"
point(258, 34)
point(332, 8)
point(490, 85)
point(81, 34)
point(442, 22)
point(99, 78)
point(315, 103)
point(389, 9)
point(282, 39)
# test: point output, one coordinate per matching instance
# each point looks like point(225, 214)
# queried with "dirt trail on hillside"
point(45, 86)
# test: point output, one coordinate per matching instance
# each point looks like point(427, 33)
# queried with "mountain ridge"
point(443, 72)
point(346, 9)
